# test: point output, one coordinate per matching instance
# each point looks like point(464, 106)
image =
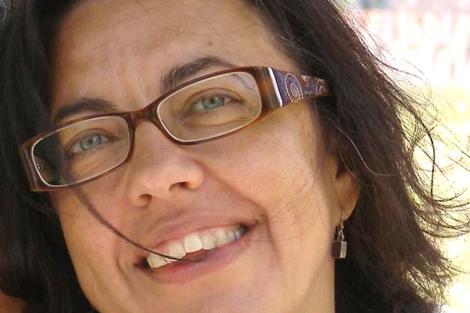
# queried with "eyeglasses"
point(200, 110)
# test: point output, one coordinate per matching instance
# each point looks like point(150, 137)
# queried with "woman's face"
point(275, 177)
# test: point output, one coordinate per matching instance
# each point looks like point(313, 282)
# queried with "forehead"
point(139, 25)
point(108, 39)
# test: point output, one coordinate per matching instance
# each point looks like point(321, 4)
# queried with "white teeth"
point(176, 249)
point(206, 240)
point(238, 233)
point(192, 243)
point(231, 235)
point(156, 261)
point(221, 238)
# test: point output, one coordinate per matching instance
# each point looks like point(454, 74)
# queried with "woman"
point(208, 196)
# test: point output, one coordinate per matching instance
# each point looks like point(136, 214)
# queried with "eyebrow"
point(175, 76)
point(84, 105)
point(179, 74)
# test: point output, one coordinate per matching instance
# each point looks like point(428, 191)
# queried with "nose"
point(158, 167)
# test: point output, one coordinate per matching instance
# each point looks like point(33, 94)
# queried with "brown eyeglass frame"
point(277, 89)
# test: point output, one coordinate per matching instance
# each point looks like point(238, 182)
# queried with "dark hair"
point(393, 264)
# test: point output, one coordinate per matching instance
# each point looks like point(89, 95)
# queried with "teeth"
point(238, 233)
point(221, 237)
point(176, 249)
point(206, 240)
point(192, 243)
point(156, 261)
point(231, 236)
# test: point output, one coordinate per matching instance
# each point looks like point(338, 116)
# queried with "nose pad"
point(159, 167)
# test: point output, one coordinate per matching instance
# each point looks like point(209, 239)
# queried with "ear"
point(346, 188)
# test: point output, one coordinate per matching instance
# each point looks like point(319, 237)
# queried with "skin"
point(9, 305)
point(294, 194)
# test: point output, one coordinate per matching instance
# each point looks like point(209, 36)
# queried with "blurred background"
point(430, 39)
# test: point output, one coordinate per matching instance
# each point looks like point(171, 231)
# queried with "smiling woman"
point(208, 156)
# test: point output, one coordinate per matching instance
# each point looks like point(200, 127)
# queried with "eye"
point(209, 103)
point(87, 143)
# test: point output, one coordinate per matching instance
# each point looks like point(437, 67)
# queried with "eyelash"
point(80, 137)
point(225, 96)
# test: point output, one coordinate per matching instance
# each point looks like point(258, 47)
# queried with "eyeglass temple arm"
point(293, 87)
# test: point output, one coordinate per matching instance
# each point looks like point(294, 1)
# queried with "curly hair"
point(394, 264)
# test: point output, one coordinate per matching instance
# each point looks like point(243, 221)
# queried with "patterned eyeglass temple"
point(294, 87)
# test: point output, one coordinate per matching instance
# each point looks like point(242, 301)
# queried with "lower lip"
point(215, 260)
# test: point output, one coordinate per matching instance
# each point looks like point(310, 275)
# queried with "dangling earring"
point(340, 245)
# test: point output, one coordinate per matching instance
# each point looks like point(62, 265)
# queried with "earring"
point(340, 245)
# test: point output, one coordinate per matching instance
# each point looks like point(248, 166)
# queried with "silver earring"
point(340, 245)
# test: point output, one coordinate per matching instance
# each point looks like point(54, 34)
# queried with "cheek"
point(280, 168)
point(286, 178)
point(105, 196)
point(93, 249)
point(90, 245)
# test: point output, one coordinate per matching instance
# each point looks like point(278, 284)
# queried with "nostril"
point(145, 198)
point(190, 185)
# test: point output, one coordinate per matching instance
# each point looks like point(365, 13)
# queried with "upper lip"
point(190, 221)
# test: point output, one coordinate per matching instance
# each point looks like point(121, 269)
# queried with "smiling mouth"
point(194, 247)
